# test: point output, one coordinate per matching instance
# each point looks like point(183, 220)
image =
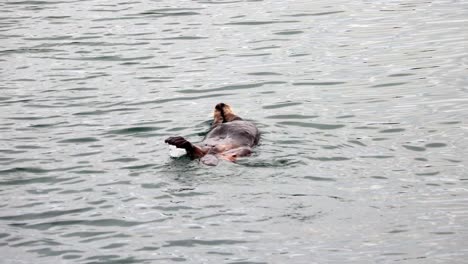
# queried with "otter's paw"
point(178, 142)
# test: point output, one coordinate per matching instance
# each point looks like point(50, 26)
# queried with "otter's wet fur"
point(229, 138)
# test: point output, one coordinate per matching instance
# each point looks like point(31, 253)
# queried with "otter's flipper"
point(192, 151)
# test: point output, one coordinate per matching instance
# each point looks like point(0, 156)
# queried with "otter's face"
point(223, 113)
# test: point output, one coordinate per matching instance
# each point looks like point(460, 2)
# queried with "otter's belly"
point(232, 135)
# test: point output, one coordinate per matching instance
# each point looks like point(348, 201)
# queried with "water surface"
point(362, 107)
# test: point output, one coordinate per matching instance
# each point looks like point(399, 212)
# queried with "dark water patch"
point(71, 256)
point(48, 252)
point(397, 231)
point(89, 77)
point(413, 148)
point(149, 135)
point(454, 161)
point(292, 116)
point(106, 58)
point(95, 223)
point(329, 158)
point(267, 47)
point(144, 123)
point(259, 23)
point(229, 87)
point(28, 147)
point(133, 130)
point(379, 177)
point(47, 125)
point(174, 129)
point(89, 172)
point(83, 89)
point(185, 38)
point(29, 205)
point(114, 245)
point(191, 194)
point(176, 13)
point(32, 118)
point(43, 191)
point(148, 249)
point(48, 214)
point(392, 130)
point(393, 254)
point(86, 154)
point(299, 55)
point(357, 142)
point(48, 180)
point(219, 2)
point(172, 208)
point(435, 145)
point(86, 190)
point(316, 83)
point(157, 67)
point(388, 84)
point(219, 253)
point(40, 242)
point(311, 125)
point(450, 123)
point(315, 14)
point(101, 112)
point(10, 161)
point(124, 160)
point(314, 178)
point(197, 242)
point(115, 183)
point(289, 32)
point(345, 116)
point(288, 142)
point(219, 214)
point(190, 98)
point(443, 233)
point(281, 162)
point(281, 105)
point(3, 235)
point(202, 59)
point(246, 262)
point(79, 140)
point(263, 73)
point(252, 55)
point(11, 151)
point(115, 259)
point(92, 44)
point(114, 18)
point(377, 157)
point(400, 74)
point(158, 185)
point(56, 17)
point(50, 38)
point(23, 170)
point(139, 167)
point(428, 173)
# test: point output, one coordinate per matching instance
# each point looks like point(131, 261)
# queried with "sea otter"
point(230, 137)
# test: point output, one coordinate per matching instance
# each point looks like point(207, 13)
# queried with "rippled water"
point(362, 106)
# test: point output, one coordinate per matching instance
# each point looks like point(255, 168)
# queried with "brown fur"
point(223, 113)
point(210, 152)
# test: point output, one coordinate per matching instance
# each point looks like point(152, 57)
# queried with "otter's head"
point(223, 113)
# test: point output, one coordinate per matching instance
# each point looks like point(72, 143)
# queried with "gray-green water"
point(363, 107)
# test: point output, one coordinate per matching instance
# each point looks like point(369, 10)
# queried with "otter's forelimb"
point(192, 150)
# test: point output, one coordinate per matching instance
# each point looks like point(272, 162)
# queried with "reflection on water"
point(362, 108)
